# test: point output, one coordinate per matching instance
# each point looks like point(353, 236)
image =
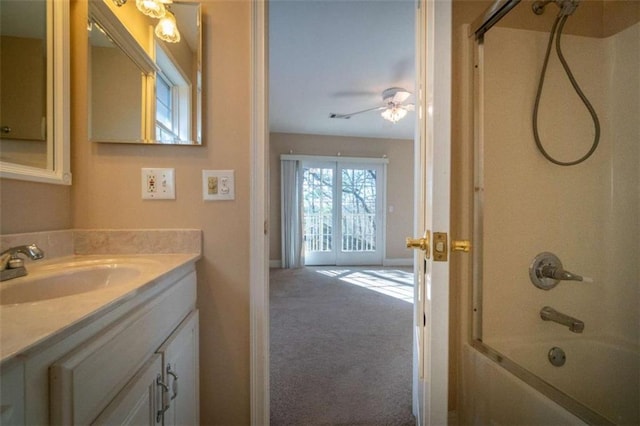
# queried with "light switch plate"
point(158, 184)
point(218, 185)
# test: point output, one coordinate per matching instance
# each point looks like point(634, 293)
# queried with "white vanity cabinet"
point(120, 375)
point(165, 390)
point(133, 361)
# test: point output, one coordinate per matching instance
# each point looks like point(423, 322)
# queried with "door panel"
point(318, 195)
point(343, 213)
point(431, 348)
point(360, 214)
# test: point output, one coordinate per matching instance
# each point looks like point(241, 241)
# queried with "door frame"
point(259, 223)
point(337, 164)
point(259, 191)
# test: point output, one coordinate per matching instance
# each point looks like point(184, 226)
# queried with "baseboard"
point(398, 262)
point(275, 263)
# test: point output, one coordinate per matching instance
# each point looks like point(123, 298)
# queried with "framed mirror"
point(143, 89)
point(34, 88)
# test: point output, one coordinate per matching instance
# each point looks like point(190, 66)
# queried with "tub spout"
point(549, 314)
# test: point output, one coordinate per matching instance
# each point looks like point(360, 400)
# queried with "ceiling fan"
point(393, 109)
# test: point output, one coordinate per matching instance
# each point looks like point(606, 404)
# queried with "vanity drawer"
point(85, 381)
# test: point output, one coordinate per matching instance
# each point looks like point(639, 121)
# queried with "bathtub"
point(599, 383)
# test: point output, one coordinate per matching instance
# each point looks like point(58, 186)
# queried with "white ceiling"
point(337, 56)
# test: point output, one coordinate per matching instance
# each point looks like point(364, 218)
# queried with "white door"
point(433, 143)
point(343, 212)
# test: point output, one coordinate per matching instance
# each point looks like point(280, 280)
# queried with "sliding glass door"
point(318, 209)
point(343, 213)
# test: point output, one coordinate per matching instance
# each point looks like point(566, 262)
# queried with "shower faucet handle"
point(553, 272)
point(546, 272)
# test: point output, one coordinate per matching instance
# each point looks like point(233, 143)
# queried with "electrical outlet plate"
point(218, 185)
point(158, 184)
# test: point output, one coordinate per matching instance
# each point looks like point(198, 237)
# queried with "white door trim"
point(259, 225)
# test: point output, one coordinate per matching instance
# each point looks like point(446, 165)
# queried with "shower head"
point(567, 7)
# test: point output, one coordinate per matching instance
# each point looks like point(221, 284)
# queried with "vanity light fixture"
point(152, 8)
point(167, 28)
point(393, 114)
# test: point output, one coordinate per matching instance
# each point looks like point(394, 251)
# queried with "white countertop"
point(24, 326)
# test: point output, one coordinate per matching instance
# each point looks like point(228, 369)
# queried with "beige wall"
point(31, 207)
point(399, 180)
point(106, 194)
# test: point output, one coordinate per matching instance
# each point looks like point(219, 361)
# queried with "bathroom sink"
point(57, 280)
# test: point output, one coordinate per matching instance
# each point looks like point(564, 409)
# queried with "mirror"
point(34, 88)
point(143, 89)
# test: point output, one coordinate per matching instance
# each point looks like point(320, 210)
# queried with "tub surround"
point(160, 256)
point(593, 205)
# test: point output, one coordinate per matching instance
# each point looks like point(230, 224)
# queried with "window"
point(173, 97)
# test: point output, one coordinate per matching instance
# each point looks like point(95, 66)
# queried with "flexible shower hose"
point(557, 27)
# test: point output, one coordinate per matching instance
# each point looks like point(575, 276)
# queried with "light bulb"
point(152, 8)
point(167, 29)
point(393, 114)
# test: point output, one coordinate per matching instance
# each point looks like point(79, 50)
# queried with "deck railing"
point(358, 232)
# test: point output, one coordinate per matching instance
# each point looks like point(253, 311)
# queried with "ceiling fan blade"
point(400, 97)
point(347, 116)
point(409, 107)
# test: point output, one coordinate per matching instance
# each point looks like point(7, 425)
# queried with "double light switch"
point(218, 185)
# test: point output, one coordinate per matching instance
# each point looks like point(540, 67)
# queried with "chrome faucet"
point(11, 266)
point(549, 314)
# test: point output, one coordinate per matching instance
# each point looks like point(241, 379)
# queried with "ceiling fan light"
point(393, 114)
point(152, 8)
point(167, 29)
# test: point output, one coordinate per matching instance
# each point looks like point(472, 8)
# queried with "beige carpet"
point(341, 346)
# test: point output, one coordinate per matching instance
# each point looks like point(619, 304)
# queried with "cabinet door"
point(139, 402)
point(180, 364)
point(12, 395)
